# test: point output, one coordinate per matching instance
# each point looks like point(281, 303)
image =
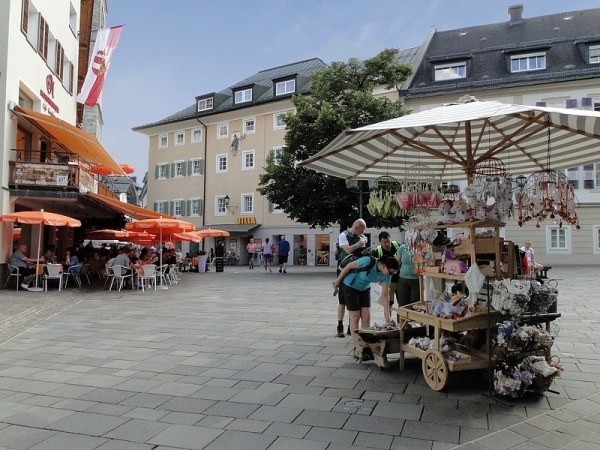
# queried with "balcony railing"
point(64, 171)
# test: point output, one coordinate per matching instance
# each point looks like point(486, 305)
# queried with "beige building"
point(205, 161)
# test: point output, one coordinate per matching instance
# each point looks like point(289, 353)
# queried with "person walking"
point(283, 250)
point(267, 253)
point(350, 241)
point(251, 249)
point(387, 247)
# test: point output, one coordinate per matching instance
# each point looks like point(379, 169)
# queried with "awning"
point(231, 227)
point(72, 138)
point(128, 209)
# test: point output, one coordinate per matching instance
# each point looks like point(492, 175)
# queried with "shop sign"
point(41, 174)
point(48, 105)
point(245, 220)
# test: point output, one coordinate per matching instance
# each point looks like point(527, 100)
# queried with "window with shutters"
point(248, 160)
point(197, 135)
point(179, 138)
point(68, 80)
point(178, 207)
point(573, 176)
point(179, 169)
point(162, 171)
point(163, 141)
point(247, 203)
point(60, 61)
point(222, 163)
point(276, 153)
point(73, 20)
point(196, 167)
point(25, 16)
point(589, 176)
point(43, 36)
point(195, 208)
point(161, 206)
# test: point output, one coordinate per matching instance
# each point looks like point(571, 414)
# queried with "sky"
point(171, 51)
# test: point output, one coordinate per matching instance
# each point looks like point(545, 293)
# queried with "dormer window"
point(205, 104)
point(243, 96)
point(594, 54)
point(285, 87)
point(450, 71)
point(528, 62)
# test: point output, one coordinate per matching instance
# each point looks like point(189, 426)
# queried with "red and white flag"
point(106, 42)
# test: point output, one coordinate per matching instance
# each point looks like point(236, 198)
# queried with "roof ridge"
point(290, 64)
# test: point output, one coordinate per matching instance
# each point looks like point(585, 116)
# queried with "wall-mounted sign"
point(41, 174)
point(47, 96)
point(245, 220)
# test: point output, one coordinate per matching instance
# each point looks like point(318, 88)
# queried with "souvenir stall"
point(470, 276)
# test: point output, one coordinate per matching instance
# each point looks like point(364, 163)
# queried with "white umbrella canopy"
point(452, 139)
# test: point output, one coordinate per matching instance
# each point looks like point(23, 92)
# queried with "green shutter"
point(156, 207)
point(171, 207)
point(183, 210)
point(200, 210)
point(189, 207)
point(190, 166)
point(156, 171)
point(201, 166)
point(270, 206)
point(173, 169)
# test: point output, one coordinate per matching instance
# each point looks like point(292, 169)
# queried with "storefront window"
point(322, 249)
point(300, 249)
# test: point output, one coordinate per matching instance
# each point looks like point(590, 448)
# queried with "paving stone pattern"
point(249, 360)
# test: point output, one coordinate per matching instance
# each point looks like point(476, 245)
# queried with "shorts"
point(283, 259)
point(268, 257)
point(355, 299)
point(250, 256)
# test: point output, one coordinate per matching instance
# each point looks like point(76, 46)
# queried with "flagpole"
point(161, 264)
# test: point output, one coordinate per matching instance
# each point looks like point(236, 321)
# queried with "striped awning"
point(452, 139)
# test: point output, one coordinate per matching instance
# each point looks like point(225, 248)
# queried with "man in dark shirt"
point(387, 247)
point(283, 250)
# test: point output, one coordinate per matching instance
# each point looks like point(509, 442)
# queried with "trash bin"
point(219, 263)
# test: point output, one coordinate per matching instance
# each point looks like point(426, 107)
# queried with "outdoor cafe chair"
point(161, 275)
point(95, 269)
point(84, 272)
point(120, 274)
point(147, 276)
point(54, 273)
point(14, 272)
point(109, 275)
point(72, 272)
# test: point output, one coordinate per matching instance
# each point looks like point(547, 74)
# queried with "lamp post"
point(359, 187)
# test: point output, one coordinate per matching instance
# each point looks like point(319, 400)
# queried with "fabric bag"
point(376, 292)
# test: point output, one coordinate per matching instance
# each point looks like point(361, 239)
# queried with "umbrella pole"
point(37, 264)
point(161, 264)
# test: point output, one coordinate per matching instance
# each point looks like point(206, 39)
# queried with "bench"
point(543, 274)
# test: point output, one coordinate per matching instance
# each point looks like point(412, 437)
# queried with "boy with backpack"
point(354, 281)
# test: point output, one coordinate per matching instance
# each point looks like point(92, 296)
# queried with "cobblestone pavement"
point(248, 359)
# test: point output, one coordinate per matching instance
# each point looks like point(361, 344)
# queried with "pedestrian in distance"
point(251, 249)
point(267, 255)
point(283, 250)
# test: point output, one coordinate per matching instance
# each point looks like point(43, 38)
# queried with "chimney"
point(516, 14)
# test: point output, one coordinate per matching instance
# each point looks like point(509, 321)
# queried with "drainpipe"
point(205, 170)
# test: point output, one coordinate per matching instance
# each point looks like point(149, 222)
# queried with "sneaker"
point(270, 270)
point(25, 286)
point(340, 331)
point(279, 270)
point(284, 271)
point(249, 267)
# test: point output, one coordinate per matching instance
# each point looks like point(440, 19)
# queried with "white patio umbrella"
point(452, 139)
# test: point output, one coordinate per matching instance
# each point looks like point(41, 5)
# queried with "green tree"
point(341, 98)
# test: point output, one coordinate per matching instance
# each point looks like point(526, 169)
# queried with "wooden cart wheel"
point(435, 369)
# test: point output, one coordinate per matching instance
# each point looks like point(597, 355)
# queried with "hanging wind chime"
point(546, 194)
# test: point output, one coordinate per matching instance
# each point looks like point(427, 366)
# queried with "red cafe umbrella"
point(161, 227)
point(107, 234)
point(102, 170)
point(127, 168)
point(212, 233)
point(40, 218)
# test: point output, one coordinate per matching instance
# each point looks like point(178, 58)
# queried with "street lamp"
point(359, 187)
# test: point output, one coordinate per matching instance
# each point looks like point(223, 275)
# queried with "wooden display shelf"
point(476, 321)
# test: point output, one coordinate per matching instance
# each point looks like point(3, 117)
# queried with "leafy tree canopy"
point(341, 98)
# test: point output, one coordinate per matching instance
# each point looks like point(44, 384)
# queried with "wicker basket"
point(507, 303)
point(543, 296)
